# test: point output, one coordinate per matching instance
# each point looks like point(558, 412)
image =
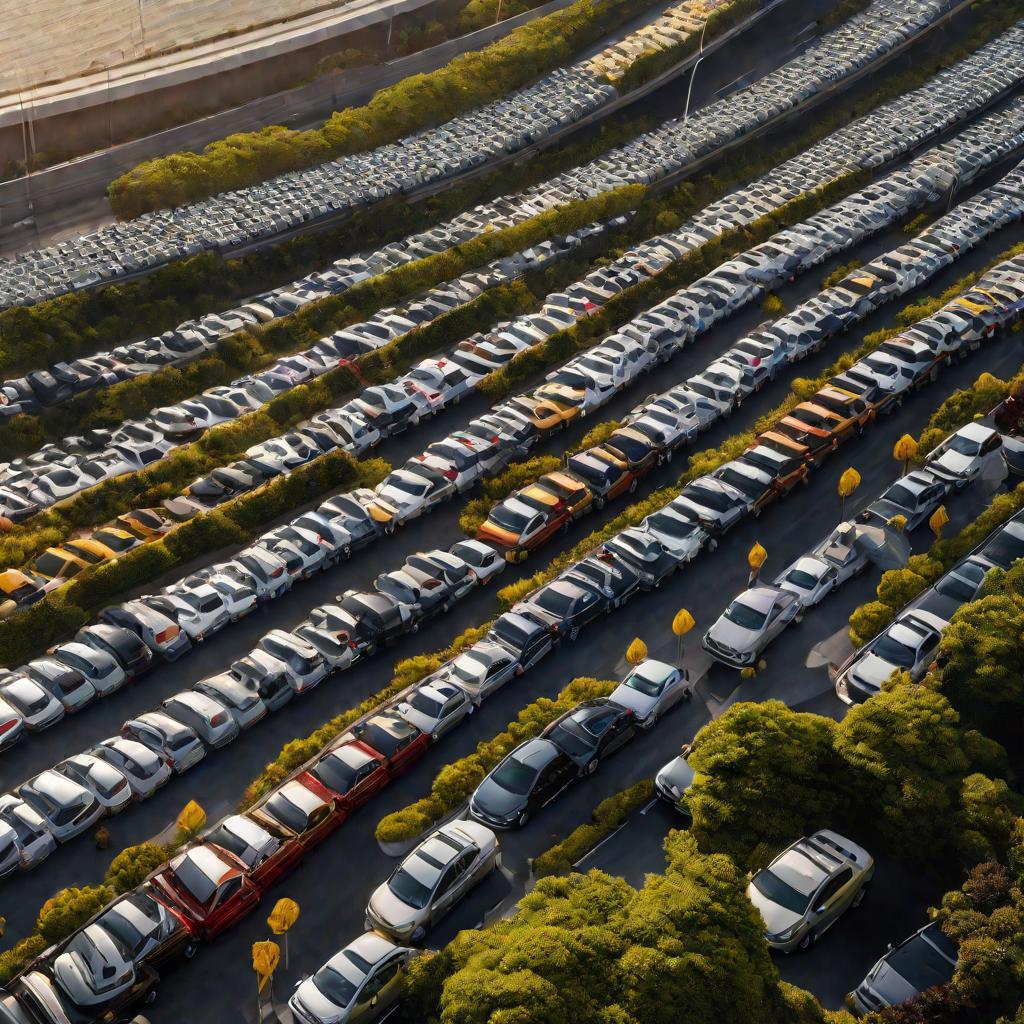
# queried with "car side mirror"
point(820, 910)
point(375, 1000)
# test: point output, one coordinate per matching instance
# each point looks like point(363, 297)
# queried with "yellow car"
point(563, 487)
point(550, 414)
point(563, 394)
point(115, 540)
point(57, 564)
point(89, 551)
point(145, 523)
point(17, 590)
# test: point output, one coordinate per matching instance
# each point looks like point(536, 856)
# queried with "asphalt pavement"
point(704, 588)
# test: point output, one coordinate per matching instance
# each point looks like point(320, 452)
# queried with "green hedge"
point(63, 611)
point(456, 781)
point(417, 102)
point(607, 816)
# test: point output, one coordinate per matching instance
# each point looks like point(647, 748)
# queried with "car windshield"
point(335, 773)
point(509, 519)
point(741, 482)
point(964, 445)
point(336, 988)
point(426, 704)
point(800, 578)
point(900, 495)
point(414, 487)
point(782, 893)
point(717, 500)
point(554, 601)
point(1005, 549)
point(124, 931)
point(670, 525)
point(409, 890)
point(284, 811)
point(514, 776)
point(567, 738)
point(921, 963)
point(745, 616)
point(894, 652)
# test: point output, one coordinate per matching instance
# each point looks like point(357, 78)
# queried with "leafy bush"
point(133, 865)
point(456, 781)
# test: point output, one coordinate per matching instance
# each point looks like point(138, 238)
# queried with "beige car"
point(808, 887)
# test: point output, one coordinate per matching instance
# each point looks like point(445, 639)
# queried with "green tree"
point(759, 779)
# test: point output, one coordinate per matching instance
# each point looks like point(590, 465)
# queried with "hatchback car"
point(36, 706)
point(525, 638)
point(650, 690)
point(435, 707)
point(591, 731)
point(99, 667)
point(108, 784)
point(432, 879)
point(811, 579)
point(808, 887)
point(174, 741)
point(67, 807)
point(563, 607)
point(480, 670)
point(208, 718)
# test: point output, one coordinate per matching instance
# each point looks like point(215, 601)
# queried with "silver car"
point(436, 707)
point(93, 967)
point(362, 983)
point(432, 879)
point(145, 770)
point(808, 887)
point(245, 705)
point(38, 708)
point(208, 718)
point(35, 840)
point(481, 669)
point(749, 625)
point(174, 741)
point(66, 807)
point(651, 689)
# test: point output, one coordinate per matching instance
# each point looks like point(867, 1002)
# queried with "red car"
point(208, 887)
point(302, 809)
point(268, 853)
point(394, 739)
point(351, 773)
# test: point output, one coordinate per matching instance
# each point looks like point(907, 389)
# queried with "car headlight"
point(784, 936)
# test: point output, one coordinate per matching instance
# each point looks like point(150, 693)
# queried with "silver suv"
point(808, 887)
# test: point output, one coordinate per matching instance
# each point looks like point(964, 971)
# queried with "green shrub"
point(133, 865)
point(607, 816)
point(456, 781)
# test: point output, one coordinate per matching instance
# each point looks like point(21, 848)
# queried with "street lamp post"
point(693, 72)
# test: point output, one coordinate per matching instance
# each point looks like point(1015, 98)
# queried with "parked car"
point(66, 807)
point(808, 887)
point(435, 707)
point(749, 625)
point(481, 669)
point(591, 731)
point(652, 689)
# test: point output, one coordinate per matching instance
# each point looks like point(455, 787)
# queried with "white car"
point(405, 494)
point(304, 664)
point(484, 561)
point(100, 668)
point(677, 531)
point(107, 784)
point(239, 598)
point(650, 690)
point(200, 612)
point(38, 708)
point(67, 807)
point(206, 717)
point(174, 741)
point(960, 457)
point(435, 707)
point(145, 770)
point(244, 704)
point(811, 579)
point(35, 841)
point(12, 725)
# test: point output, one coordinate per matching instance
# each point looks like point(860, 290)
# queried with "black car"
point(644, 555)
point(426, 595)
point(592, 730)
point(123, 645)
point(451, 570)
point(564, 607)
point(146, 929)
point(1006, 546)
point(377, 618)
point(348, 513)
point(527, 639)
point(608, 574)
point(530, 777)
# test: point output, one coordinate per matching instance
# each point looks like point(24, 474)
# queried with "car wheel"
point(668, 455)
point(574, 632)
point(592, 767)
point(523, 819)
point(859, 898)
point(564, 528)
point(190, 950)
point(808, 940)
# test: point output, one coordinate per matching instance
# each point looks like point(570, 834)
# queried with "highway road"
point(217, 784)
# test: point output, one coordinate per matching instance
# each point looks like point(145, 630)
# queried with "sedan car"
point(563, 607)
point(811, 579)
point(244, 704)
point(145, 770)
point(33, 839)
point(650, 690)
point(926, 960)
point(749, 624)
point(673, 780)
point(530, 777)
point(808, 887)
point(480, 670)
point(716, 505)
point(363, 979)
point(432, 879)
point(590, 732)
point(266, 853)
point(398, 742)
point(146, 930)
point(435, 707)
point(99, 667)
point(483, 561)
point(67, 807)
point(644, 554)
point(156, 629)
point(68, 685)
point(914, 496)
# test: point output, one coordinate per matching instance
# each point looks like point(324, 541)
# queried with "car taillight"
point(8, 725)
point(219, 719)
point(167, 634)
point(277, 572)
point(450, 474)
point(353, 645)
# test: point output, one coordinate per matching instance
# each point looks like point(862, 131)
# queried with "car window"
point(834, 885)
point(227, 890)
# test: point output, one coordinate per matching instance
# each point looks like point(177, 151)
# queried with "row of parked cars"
point(184, 613)
point(169, 622)
point(59, 471)
point(247, 215)
point(942, 102)
point(209, 886)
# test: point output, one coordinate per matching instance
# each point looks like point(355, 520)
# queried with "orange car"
point(56, 563)
point(853, 412)
point(812, 443)
point(18, 590)
point(145, 523)
point(561, 487)
point(520, 528)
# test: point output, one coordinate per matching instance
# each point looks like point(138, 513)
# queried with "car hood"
point(873, 670)
point(318, 1005)
point(776, 918)
point(734, 636)
point(387, 907)
point(676, 774)
point(492, 799)
point(891, 986)
point(954, 462)
point(70, 974)
point(639, 703)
